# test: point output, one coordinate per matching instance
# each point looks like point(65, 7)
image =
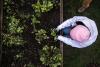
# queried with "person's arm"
point(70, 42)
point(66, 23)
point(69, 22)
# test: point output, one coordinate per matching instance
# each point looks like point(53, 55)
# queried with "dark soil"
point(31, 49)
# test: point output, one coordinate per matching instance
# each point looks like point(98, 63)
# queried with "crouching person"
point(78, 32)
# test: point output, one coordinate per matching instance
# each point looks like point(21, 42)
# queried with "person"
point(79, 32)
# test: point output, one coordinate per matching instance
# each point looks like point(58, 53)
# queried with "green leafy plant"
point(34, 22)
point(53, 33)
point(19, 55)
point(40, 35)
point(42, 6)
point(7, 7)
point(50, 56)
point(14, 25)
point(10, 40)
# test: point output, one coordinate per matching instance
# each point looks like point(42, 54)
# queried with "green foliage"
point(10, 40)
point(42, 6)
point(23, 15)
point(30, 65)
point(7, 1)
point(53, 33)
point(19, 55)
point(41, 35)
point(16, 17)
point(8, 8)
point(34, 20)
point(50, 56)
point(14, 25)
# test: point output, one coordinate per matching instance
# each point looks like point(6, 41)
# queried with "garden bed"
point(29, 34)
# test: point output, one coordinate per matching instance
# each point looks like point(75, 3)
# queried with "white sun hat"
point(90, 24)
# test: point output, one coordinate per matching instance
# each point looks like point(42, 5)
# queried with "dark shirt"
point(66, 31)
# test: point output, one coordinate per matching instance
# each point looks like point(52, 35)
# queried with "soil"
point(31, 50)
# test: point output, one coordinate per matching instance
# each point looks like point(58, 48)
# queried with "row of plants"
point(19, 15)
